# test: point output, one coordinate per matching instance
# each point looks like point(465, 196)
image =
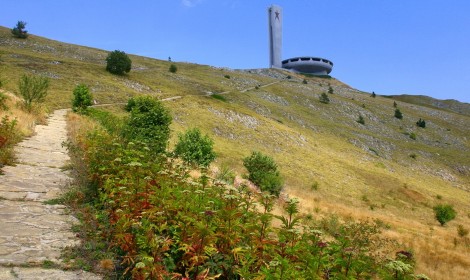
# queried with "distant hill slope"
point(448, 104)
point(386, 169)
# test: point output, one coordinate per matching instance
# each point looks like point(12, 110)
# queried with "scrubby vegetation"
point(33, 89)
point(82, 98)
point(263, 172)
point(195, 148)
point(158, 222)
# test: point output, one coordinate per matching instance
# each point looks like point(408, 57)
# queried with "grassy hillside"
point(370, 171)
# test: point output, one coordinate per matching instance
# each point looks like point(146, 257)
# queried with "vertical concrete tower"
point(275, 36)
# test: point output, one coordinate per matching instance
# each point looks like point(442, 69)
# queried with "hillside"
point(374, 171)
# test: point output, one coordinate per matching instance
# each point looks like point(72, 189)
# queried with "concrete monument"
point(304, 64)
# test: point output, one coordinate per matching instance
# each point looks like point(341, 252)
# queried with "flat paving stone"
point(32, 232)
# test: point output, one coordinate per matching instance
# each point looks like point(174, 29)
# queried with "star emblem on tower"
point(277, 15)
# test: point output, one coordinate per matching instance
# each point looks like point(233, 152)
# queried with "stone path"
point(32, 232)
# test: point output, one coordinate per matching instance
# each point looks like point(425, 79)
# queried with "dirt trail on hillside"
point(32, 233)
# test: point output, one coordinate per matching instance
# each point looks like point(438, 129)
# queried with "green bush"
point(18, 31)
point(262, 171)
point(421, 123)
point(149, 122)
point(33, 89)
point(413, 135)
point(173, 68)
point(324, 98)
point(195, 148)
point(398, 114)
point(82, 98)
point(361, 120)
point(118, 63)
point(444, 213)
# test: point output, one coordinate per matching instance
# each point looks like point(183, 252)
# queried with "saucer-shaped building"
point(310, 65)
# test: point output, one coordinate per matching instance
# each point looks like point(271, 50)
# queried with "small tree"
point(149, 122)
point(262, 171)
point(395, 105)
point(398, 114)
point(421, 123)
point(195, 148)
point(33, 89)
point(82, 98)
point(173, 68)
point(361, 120)
point(324, 98)
point(330, 90)
point(118, 63)
point(444, 213)
point(18, 31)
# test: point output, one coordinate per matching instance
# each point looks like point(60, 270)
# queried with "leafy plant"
point(262, 171)
point(82, 98)
point(149, 122)
point(444, 213)
point(33, 89)
point(324, 98)
point(398, 114)
point(413, 135)
point(19, 30)
point(227, 76)
point(173, 68)
point(195, 148)
point(117, 62)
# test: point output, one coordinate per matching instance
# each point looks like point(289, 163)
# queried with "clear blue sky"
point(386, 46)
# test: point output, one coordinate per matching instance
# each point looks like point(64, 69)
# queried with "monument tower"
point(275, 36)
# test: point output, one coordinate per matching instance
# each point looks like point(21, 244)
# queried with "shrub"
point(444, 213)
point(395, 105)
point(82, 98)
point(421, 123)
point(304, 82)
point(149, 122)
point(9, 136)
point(195, 148)
point(262, 171)
point(324, 98)
point(118, 63)
point(227, 76)
point(18, 31)
point(219, 97)
point(33, 89)
point(462, 231)
point(413, 135)
point(398, 114)
point(3, 100)
point(173, 68)
point(361, 120)
point(413, 156)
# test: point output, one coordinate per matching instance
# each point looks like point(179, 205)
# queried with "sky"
point(386, 46)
